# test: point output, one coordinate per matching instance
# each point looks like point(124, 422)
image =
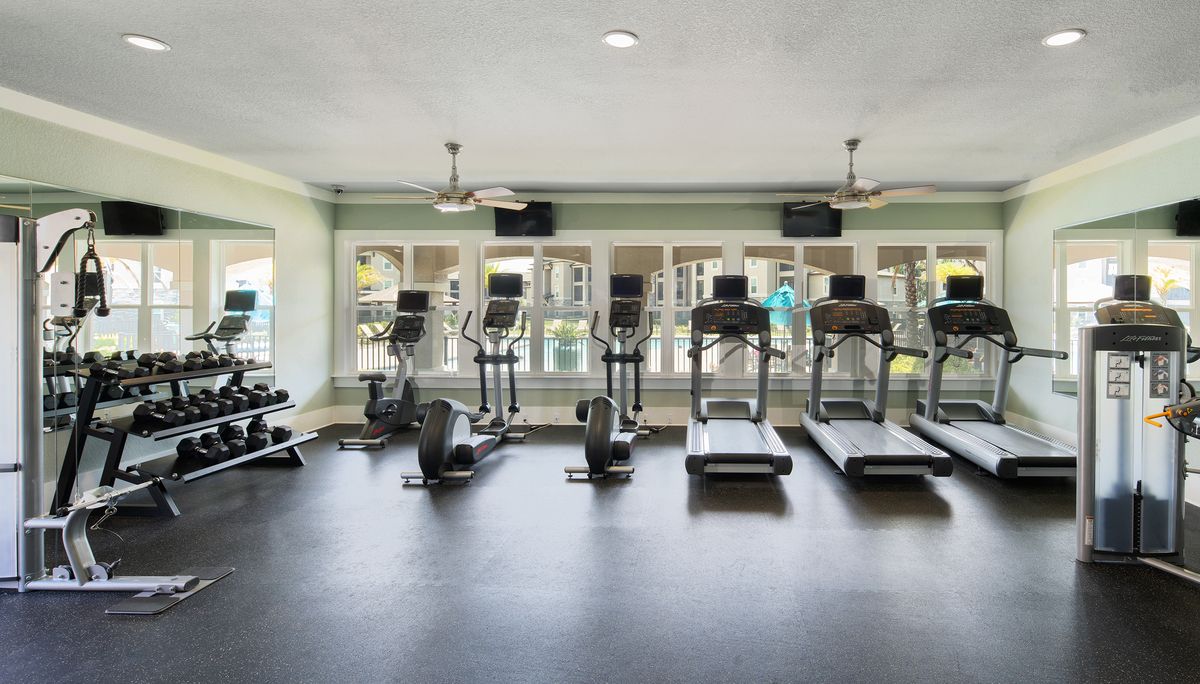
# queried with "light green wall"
point(45, 152)
point(676, 217)
point(1165, 176)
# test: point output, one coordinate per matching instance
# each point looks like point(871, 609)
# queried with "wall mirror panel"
point(1088, 257)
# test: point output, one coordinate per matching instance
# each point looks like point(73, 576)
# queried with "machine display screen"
point(967, 319)
point(501, 313)
point(408, 328)
point(730, 318)
point(849, 318)
point(625, 313)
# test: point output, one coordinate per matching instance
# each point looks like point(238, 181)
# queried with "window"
point(434, 268)
point(1083, 275)
point(902, 284)
point(566, 299)
point(964, 260)
point(557, 303)
point(775, 285)
point(250, 265)
point(646, 261)
point(693, 279)
point(150, 297)
point(820, 262)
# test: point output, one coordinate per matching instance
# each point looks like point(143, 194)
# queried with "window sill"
point(544, 381)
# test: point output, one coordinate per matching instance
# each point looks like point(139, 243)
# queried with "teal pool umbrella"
point(783, 298)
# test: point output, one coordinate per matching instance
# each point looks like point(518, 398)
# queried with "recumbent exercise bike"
point(387, 415)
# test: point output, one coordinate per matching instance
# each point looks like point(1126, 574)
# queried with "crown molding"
point(44, 110)
point(681, 198)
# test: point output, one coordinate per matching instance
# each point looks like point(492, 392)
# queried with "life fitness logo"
point(1142, 338)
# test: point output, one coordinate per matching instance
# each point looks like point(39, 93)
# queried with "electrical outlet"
point(556, 419)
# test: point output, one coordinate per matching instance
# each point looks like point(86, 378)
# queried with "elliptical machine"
point(610, 428)
point(446, 445)
point(388, 415)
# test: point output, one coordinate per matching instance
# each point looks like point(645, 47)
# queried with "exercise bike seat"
point(372, 377)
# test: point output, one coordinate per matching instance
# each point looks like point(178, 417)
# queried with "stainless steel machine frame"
point(1130, 504)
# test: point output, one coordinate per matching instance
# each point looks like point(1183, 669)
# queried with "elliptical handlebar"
point(463, 331)
point(387, 329)
point(650, 331)
point(202, 335)
point(601, 340)
point(519, 336)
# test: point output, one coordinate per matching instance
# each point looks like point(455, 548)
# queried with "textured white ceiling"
point(719, 95)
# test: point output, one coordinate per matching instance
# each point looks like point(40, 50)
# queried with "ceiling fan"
point(454, 198)
point(860, 192)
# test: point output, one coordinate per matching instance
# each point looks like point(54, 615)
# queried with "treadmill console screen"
point(730, 318)
point(501, 313)
point(967, 318)
point(625, 313)
point(842, 317)
point(1137, 312)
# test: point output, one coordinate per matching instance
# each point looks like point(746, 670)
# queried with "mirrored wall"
point(164, 284)
point(1088, 257)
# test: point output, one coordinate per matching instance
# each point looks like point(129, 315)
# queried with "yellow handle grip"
point(1150, 418)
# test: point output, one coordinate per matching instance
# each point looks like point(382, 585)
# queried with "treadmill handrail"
point(891, 350)
point(1017, 352)
point(768, 350)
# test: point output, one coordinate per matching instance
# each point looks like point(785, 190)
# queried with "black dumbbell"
point(282, 396)
point(113, 392)
point(214, 450)
point(281, 434)
point(258, 399)
point(94, 357)
point(208, 409)
point(228, 391)
point(161, 412)
point(257, 425)
point(179, 403)
point(207, 439)
point(67, 400)
point(193, 363)
point(237, 448)
point(128, 355)
point(238, 403)
point(256, 441)
point(232, 432)
point(165, 362)
point(49, 401)
point(192, 414)
point(225, 360)
point(226, 406)
point(265, 389)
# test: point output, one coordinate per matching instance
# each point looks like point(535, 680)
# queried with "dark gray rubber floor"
point(344, 575)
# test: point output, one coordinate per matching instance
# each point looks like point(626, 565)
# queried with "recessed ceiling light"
point(620, 39)
point(145, 42)
point(1064, 37)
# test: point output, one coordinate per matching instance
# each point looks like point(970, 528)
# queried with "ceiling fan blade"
point(403, 197)
point(490, 192)
point(906, 192)
point(14, 207)
point(805, 206)
point(419, 187)
point(876, 202)
point(515, 206)
point(801, 194)
point(863, 185)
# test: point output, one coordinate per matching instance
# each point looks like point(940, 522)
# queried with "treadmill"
point(855, 433)
point(975, 429)
point(733, 435)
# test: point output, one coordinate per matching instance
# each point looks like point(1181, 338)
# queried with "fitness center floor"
point(343, 574)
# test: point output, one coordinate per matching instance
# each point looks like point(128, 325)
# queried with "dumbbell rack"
point(69, 370)
point(117, 432)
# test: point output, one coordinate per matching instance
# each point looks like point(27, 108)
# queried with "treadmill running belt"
point(734, 437)
point(874, 440)
point(1024, 446)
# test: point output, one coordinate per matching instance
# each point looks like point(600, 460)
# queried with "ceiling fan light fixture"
point(620, 39)
point(1064, 37)
point(449, 207)
point(145, 42)
point(849, 203)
